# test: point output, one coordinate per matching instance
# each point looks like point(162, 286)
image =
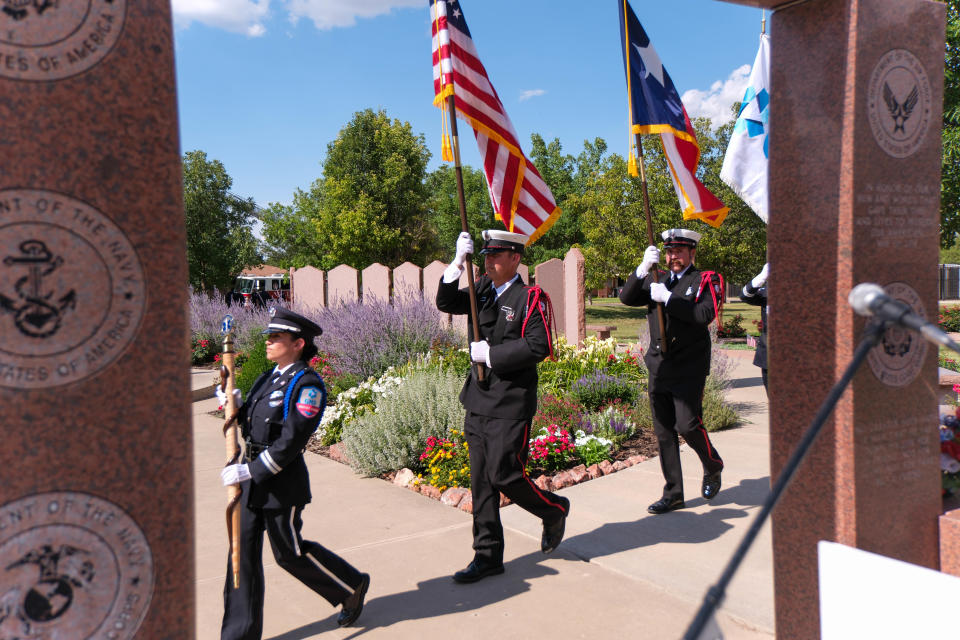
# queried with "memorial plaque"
point(854, 197)
point(96, 498)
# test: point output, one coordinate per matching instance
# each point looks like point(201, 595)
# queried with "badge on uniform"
point(309, 402)
point(689, 291)
point(276, 398)
point(510, 313)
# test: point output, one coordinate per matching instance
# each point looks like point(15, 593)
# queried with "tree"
point(950, 168)
point(558, 170)
point(220, 240)
point(290, 232)
point(443, 209)
point(371, 207)
point(614, 223)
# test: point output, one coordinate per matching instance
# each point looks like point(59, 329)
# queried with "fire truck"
point(257, 290)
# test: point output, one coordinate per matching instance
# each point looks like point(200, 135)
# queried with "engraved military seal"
point(55, 39)
point(898, 358)
point(899, 103)
point(72, 566)
point(71, 289)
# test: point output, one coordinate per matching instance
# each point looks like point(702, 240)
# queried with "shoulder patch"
point(308, 404)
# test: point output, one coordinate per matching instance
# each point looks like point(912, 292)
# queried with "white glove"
point(222, 397)
point(659, 292)
point(761, 278)
point(651, 257)
point(464, 246)
point(480, 352)
point(234, 474)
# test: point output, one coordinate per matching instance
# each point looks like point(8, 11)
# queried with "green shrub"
point(203, 348)
point(946, 360)
point(613, 423)
point(732, 327)
point(254, 364)
point(592, 449)
point(552, 449)
point(393, 436)
point(446, 461)
point(950, 318)
point(563, 412)
point(556, 377)
point(444, 357)
point(597, 389)
point(352, 403)
point(717, 414)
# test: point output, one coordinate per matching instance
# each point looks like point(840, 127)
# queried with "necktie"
point(673, 281)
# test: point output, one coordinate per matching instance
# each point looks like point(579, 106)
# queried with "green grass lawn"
point(627, 320)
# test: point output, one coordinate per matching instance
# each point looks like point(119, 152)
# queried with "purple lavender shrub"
point(366, 338)
point(206, 316)
point(597, 389)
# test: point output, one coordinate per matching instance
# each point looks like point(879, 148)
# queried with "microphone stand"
point(715, 594)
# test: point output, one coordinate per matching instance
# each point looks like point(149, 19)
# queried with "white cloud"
point(238, 16)
point(531, 93)
point(328, 14)
point(247, 16)
point(715, 103)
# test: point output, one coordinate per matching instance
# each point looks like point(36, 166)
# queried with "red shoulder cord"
point(545, 308)
point(705, 278)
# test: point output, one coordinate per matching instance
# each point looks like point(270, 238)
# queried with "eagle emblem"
point(900, 112)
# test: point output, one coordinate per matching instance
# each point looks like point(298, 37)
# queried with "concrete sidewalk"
point(618, 571)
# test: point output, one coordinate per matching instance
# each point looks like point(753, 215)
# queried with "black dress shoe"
point(711, 485)
point(553, 533)
point(477, 570)
point(353, 605)
point(664, 505)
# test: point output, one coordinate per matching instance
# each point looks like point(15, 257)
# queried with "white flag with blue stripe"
point(745, 166)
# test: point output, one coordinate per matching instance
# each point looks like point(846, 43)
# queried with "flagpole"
point(662, 340)
point(650, 239)
point(471, 287)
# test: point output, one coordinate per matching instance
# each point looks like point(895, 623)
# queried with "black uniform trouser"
point(679, 412)
point(320, 569)
point(498, 458)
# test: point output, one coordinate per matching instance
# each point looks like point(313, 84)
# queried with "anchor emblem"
point(36, 316)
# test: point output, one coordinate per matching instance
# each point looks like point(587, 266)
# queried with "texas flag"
point(748, 154)
point(655, 107)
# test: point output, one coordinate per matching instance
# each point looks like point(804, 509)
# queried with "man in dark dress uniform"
point(513, 339)
point(678, 376)
point(755, 293)
point(282, 412)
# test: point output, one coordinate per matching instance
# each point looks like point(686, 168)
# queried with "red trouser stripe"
point(706, 439)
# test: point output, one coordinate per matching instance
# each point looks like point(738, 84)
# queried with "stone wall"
point(561, 279)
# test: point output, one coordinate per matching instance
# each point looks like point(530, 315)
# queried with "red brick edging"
point(460, 498)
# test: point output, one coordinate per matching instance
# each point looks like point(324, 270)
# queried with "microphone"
point(869, 299)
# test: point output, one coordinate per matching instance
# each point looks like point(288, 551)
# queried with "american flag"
point(520, 197)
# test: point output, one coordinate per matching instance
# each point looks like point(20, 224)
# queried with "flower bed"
point(950, 452)
point(593, 419)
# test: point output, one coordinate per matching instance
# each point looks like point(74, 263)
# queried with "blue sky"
point(265, 85)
